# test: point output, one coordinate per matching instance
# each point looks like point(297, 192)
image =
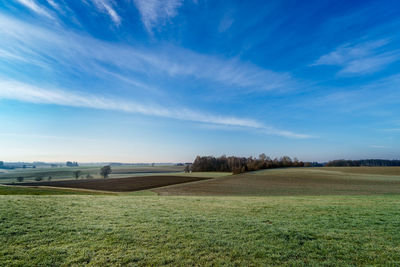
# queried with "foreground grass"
point(152, 230)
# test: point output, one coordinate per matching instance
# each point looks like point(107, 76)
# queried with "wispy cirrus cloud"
point(74, 52)
point(35, 7)
point(360, 58)
point(107, 7)
point(58, 49)
point(54, 5)
point(155, 12)
point(27, 93)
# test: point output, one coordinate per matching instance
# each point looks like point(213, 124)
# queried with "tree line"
point(241, 164)
point(105, 171)
point(362, 162)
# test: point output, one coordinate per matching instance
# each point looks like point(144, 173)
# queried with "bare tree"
point(77, 174)
point(105, 171)
point(187, 168)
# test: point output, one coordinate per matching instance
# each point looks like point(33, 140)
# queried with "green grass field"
point(140, 228)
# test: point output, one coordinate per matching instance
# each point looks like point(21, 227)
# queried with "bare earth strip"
point(118, 184)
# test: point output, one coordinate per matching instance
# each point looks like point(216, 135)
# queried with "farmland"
point(119, 184)
point(297, 181)
point(313, 216)
point(66, 173)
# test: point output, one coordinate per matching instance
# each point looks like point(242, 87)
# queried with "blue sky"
point(164, 81)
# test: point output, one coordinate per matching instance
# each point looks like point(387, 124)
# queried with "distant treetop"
point(362, 162)
point(72, 164)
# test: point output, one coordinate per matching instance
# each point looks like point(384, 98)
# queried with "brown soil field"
point(293, 181)
point(118, 184)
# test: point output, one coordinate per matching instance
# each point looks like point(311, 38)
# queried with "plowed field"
point(119, 184)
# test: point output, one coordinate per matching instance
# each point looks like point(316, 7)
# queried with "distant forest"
point(362, 162)
point(241, 164)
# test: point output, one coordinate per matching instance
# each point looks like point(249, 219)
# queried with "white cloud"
point(106, 6)
point(53, 4)
point(75, 52)
point(155, 12)
point(57, 49)
point(27, 93)
point(348, 52)
point(370, 64)
point(362, 58)
point(32, 5)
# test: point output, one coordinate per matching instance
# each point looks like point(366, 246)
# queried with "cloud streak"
point(32, 5)
point(55, 5)
point(106, 6)
point(57, 49)
point(27, 93)
point(360, 59)
point(74, 52)
point(155, 12)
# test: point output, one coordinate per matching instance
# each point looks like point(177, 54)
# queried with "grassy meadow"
point(335, 227)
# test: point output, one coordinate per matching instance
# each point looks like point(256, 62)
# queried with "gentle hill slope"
point(296, 181)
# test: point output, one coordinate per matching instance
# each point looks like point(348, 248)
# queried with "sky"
point(167, 80)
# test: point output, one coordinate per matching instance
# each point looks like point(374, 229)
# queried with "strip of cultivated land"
point(297, 181)
point(23, 190)
point(118, 184)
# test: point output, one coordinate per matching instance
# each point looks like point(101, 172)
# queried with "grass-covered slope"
point(183, 231)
